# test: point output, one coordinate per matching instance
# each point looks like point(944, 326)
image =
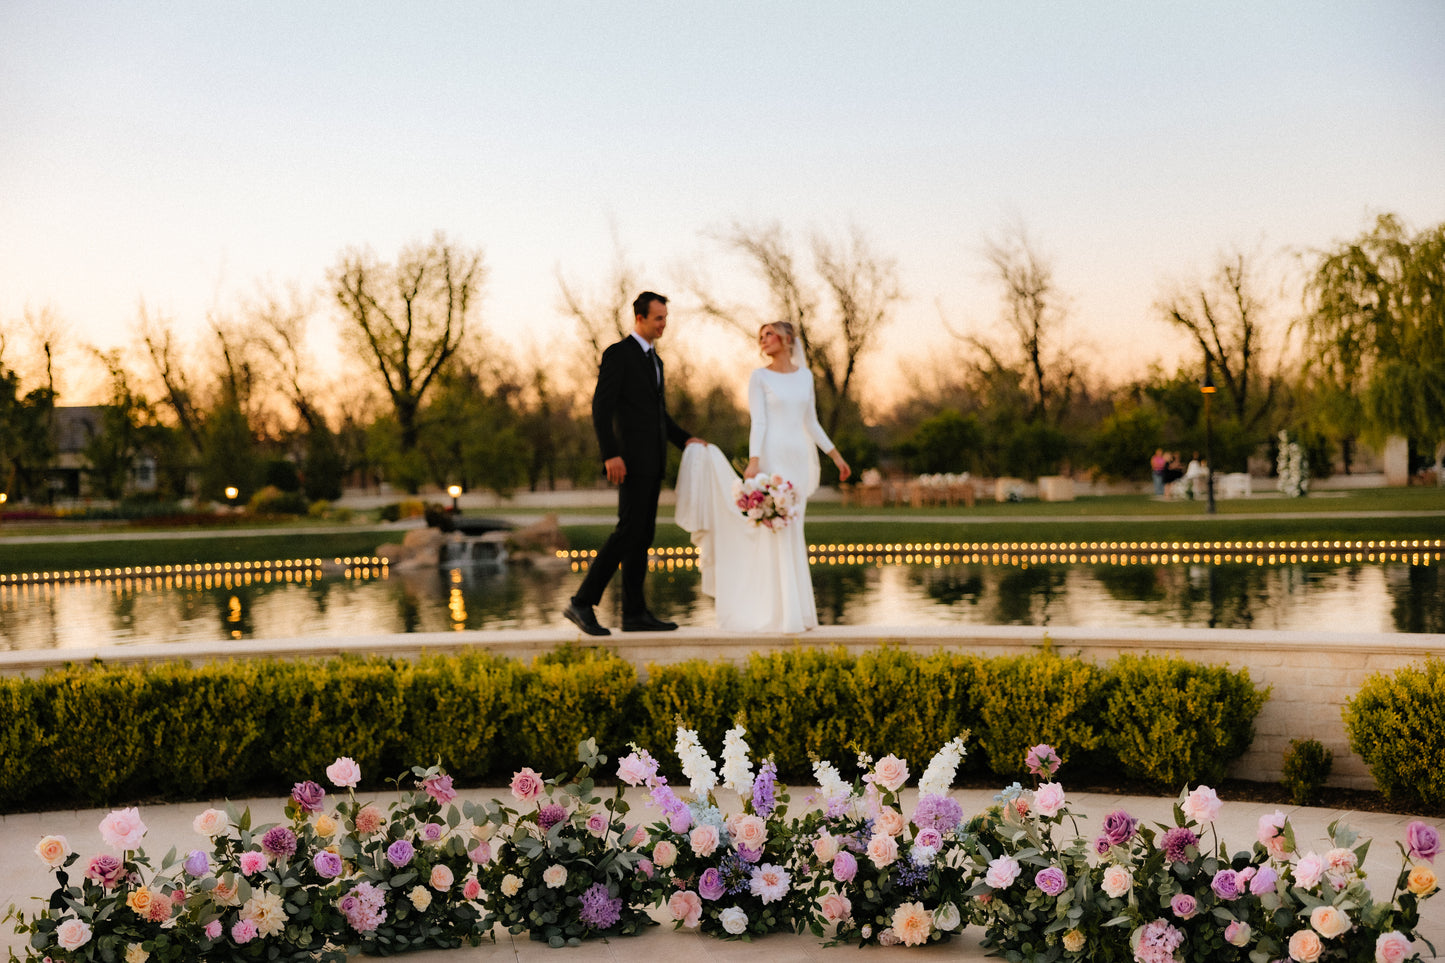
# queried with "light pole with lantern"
point(455, 491)
point(1207, 389)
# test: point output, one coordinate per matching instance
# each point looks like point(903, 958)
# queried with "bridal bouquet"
point(768, 501)
point(739, 875)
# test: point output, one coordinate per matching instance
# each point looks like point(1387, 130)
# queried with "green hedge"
point(97, 735)
point(1396, 723)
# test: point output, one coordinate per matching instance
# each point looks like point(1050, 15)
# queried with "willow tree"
point(1374, 324)
point(407, 320)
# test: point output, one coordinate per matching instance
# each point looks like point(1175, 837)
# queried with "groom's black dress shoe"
point(582, 617)
point(646, 622)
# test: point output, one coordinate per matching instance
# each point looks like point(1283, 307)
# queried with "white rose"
point(1117, 881)
point(511, 885)
point(212, 822)
point(734, 920)
point(947, 917)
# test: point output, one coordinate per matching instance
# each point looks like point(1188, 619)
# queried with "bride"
point(759, 577)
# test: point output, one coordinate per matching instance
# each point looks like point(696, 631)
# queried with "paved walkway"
point(24, 876)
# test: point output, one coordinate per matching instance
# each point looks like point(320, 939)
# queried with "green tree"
point(946, 442)
point(1374, 325)
point(26, 443)
point(1125, 440)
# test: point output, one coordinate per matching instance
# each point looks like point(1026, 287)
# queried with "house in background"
point(73, 430)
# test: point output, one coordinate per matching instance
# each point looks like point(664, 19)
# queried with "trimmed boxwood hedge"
point(101, 735)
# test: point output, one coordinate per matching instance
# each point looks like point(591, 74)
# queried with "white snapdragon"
point(938, 778)
point(696, 763)
point(830, 781)
point(737, 768)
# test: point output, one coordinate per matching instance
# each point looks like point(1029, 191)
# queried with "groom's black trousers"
point(627, 546)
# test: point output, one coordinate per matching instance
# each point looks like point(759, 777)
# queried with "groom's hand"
point(616, 469)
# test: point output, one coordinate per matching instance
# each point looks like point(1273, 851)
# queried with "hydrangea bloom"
point(937, 812)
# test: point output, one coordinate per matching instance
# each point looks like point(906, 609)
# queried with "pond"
point(1385, 591)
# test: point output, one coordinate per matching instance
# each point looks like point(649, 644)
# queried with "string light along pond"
point(1386, 586)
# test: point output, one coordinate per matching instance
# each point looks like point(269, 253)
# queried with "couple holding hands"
point(758, 577)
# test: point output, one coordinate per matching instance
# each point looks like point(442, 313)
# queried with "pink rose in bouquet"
point(344, 772)
point(526, 785)
point(686, 908)
point(123, 829)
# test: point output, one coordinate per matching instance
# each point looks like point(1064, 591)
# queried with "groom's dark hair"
point(643, 304)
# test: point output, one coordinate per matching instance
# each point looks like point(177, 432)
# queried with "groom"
point(633, 428)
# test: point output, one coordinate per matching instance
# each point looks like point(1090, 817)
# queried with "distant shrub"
point(1307, 765)
point(1396, 724)
point(273, 501)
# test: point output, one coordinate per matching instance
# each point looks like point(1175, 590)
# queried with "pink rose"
point(1049, 799)
point(703, 839)
point(123, 829)
point(891, 772)
point(645, 867)
point(1305, 947)
point(882, 850)
point(597, 824)
point(664, 853)
point(1393, 947)
point(439, 787)
point(1237, 933)
point(1202, 806)
point(526, 786)
point(1308, 870)
point(471, 889)
point(845, 867)
point(482, 854)
point(213, 930)
point(344, 772)
point(686, 906)
point(72, 934)
point(1271, 834)
point(441, 878)
point(889, 821)
point(634, 769)
point(835, 907)
point(252, 861)
point(1002, 872)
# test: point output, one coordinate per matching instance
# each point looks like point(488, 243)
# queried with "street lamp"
point(455, 491)
point(1207, 389)
point(231, 492)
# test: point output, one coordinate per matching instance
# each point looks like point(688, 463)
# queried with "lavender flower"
point(1176, 841)
point(599, 909)
point(1226, 884)
point(279, 841)
point(763, 801)
point(845, 867)
point(1102, 846)
point(937, 812)
point(197, 863)
point(1423, 841)
point(328, 865)
point(400, 853)
point(1051, 880)
point(710, 885)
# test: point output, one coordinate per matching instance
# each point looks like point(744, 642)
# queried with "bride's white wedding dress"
point(758, 578)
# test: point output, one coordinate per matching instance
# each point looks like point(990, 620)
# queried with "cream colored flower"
point(420, 898)
point(1329, 921)
point(912, 923)
point(267, 910)
point(511, 885)
point(135, 953)
point(52, 850)
point(1073, 941)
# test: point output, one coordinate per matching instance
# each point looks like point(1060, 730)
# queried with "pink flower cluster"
point(364, 907)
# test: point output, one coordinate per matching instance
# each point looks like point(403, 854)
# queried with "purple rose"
point(1051, 880)
point(845, 867)
point(433, 831)
point(710, 884)
point(400, 853)
point(1119, 827)
point(1264, 881)
point(749, 855)
point(327, 864)
point(279, 841)
point(1422, 840)
point(197, 863)
point(1226, 884)
point(1183, 905)
point(308, 796)
point(1102, 845)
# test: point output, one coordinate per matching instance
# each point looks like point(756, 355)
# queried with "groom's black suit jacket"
point(629, 413)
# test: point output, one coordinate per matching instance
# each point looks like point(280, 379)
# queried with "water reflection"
point(1378, 597)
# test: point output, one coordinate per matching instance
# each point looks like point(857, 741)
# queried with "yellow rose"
point(140, 900)
point(325, 826)
point(1421, 881)
point(1073, 941)
point(135, 953)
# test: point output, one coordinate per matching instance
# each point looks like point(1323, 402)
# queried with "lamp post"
point(455, 491)
point(1207, 389)
point(231, 492)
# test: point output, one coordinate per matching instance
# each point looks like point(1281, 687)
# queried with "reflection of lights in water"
point(457, 607)
point(235, 610)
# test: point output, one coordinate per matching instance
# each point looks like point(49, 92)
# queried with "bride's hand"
point(844, 472)
point(752, 468)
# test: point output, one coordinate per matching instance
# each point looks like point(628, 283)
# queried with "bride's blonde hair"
point(783, 329)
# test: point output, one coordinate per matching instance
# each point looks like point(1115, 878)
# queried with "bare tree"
point(602, 318)
point(409, 318)
point(860, 288)
point(1224, 316)
point(280, 329)
point(162, 348)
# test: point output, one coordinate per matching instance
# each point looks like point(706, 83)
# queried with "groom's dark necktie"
point(656, 366)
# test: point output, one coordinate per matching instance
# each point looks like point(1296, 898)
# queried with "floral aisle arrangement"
point(1292, 467)
point(568, 866)
point(736, 875)
point(412, 882)
point(891, 880)
point(768, 501)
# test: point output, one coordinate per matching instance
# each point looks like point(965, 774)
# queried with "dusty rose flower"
point(835, 907)
point(471, 889)
point(1308, 870)
point(1202, 806)
point(439, 787)
point(1237, 933)
point(1042, 760)
point(890, 821)
point(1393, 947)
point(72, 934)
point(253, 861)
point(1305, 946)
point(882, 850)
point(554, 875)
point(1049, 799)
point(686, 907)
point(526, 785)
point(1184, 906)
point(597, 824)
point(123, 829)
point(368, 820)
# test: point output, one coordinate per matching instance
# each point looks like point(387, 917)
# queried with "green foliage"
point(96, 734)
point(1395, 725)
point(1172, 722)
point(1034, 448)
point(1307, 765)
point(1029, 699)
point(946, 442)
point(1125, 440)
point(275, 501)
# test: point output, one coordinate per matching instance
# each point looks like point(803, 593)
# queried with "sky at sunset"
point(183, 153)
